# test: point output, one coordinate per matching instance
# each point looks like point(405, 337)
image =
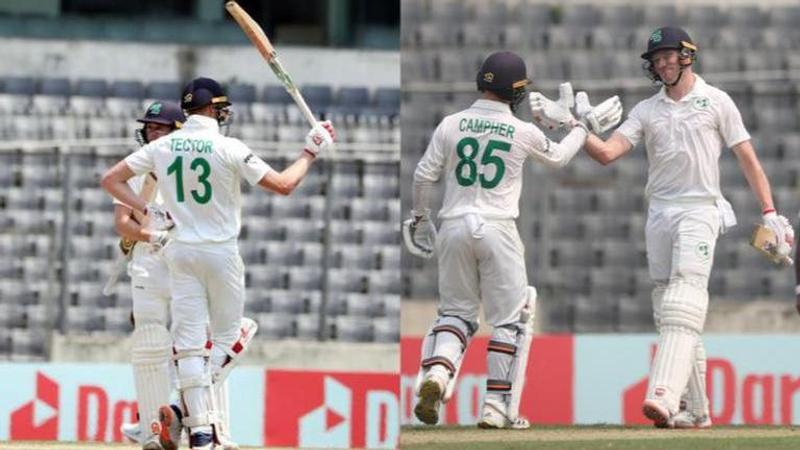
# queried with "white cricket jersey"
point(481, 151)
point(199, 175)
point(684, 140)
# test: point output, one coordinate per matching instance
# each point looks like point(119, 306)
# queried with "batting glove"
point(159, 218)
point(320, 138)
point(159, 239)
point(419, 234)
point(554, 114)
point(600, 118)
point(784, 233)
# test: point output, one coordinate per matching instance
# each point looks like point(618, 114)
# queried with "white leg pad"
point(696, 396)
point(151, 346)
point(683, 314)
point(197, 393)
point(507, 360)
point(444, 345)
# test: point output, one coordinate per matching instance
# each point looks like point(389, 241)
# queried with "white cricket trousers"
point(481, 259)
point(207, 287)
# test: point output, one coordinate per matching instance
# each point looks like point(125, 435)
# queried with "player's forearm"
point(115, 182)
point(422, 194)
point(288, 179)
point(559, 154)
point(128, 228)
point(755, 176)
point(599, 150)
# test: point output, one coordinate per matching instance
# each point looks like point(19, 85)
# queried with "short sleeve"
point(142, 160)
point(731, 127)
point(632, 128)
point(250, 167)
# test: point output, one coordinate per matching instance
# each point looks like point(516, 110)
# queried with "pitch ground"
point(601, 437)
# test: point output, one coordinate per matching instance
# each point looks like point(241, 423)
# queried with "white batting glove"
point(159, 239)
point(419, 234)
point(600, 118)
point(554, 114)
point(784, 233)
point(159, 218)
point(320, 138)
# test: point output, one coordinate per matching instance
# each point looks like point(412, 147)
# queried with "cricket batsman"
point(480, 153)
point(684, 128)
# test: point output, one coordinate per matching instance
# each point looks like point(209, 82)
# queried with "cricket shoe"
point(226, 443)
point(169, 427)
point(494, 419)
point(152, 443)
point(430, 397)
point(657, 412)
point(686, 419)
point(132, 431)
point(201, 441)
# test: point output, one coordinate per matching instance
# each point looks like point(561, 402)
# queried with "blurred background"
point(583, 226)
point(74, 76)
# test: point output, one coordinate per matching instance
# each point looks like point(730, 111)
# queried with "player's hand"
point(419, 234)
point(554, 114)
point(159, 218)
point(320, 138)
point(600, 118)
point(784, 233)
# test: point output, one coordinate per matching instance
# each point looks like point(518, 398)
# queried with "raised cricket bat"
point(763, 240)
point(147, 193)
point(256, 34)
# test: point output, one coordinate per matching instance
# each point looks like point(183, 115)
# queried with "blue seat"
point(276, 94)
point(55, 87)
point(241, 93)
point(164, 90)
point(19, 86)
point(91, 88)
point(318, 97)
point(126, 89)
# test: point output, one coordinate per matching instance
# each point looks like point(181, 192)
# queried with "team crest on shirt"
point(703, 250)
point(701, 102)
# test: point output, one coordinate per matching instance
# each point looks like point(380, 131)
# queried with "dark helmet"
point(504, 74)
point(201, 92)
point(161, 112)
point(165, 113)
point(674, 38)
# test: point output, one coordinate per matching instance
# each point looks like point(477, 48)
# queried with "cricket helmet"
point(164, 113)
point(504, 74)
point(201, 92)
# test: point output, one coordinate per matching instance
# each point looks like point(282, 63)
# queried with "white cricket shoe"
point(430, 397)
point(493, 418)
point(226, 443)
point(687, 419)
point(132, 431)
point(152, 443)
point(657, 412)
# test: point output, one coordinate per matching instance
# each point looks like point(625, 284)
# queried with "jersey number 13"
point(467, 150)
point(199, 165)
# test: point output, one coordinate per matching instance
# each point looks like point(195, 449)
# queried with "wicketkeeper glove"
point(554, 114)
point(320, 138)
point(784, 233)
point(600, 118)
point(419, 234)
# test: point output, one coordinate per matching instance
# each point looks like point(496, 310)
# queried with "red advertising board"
point(548, 394)
point(329, 409)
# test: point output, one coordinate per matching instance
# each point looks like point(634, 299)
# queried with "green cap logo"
point(701, 102)
point(702, 250)
point(656, 36)
point(155, 109)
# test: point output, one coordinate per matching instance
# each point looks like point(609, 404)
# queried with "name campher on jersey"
point(191, 145)
point(484, 125)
